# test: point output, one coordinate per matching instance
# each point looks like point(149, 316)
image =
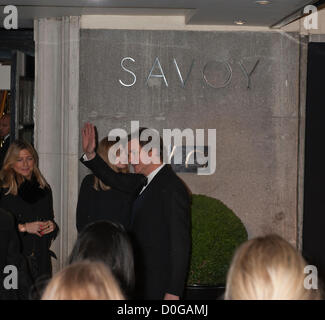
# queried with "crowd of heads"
point(101, 264)
point(263, 268)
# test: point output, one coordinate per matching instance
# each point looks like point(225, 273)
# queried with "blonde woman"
point(268, 268)
point(26, 194)
point(83, 281)
point(98, 201)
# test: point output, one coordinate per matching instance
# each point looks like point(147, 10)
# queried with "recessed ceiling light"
point(262, 2)
point(239, 22)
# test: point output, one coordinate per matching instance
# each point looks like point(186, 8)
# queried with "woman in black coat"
point(98, 201)
point(26, 194)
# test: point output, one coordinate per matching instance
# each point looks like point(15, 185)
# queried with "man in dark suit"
point(160, 218)
point(5, 136)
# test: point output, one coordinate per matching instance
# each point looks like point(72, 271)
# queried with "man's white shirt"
point(151, 176)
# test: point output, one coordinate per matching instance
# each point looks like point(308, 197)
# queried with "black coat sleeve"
point(177, 213)
point(125, 182)
point(82, 206)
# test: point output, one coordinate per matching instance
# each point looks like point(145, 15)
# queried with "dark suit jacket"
point(160, 228)
point(3, 151)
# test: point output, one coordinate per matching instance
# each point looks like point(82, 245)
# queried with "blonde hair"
point(83, 281)
point(9, 177)
point(102, 151)
point(268, 268)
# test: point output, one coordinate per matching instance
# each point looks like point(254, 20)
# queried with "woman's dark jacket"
point(112, 204)
point(10, 256)
point(33, 204)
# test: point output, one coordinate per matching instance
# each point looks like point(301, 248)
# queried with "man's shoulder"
point(171, 180)
point(166, 174)
point(169, 173)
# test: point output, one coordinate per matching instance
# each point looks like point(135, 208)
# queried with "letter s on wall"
point(127, 70)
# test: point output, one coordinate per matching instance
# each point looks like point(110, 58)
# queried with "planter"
point(216, 233)
point(204, 292)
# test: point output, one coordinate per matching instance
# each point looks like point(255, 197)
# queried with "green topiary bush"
point(216, 233)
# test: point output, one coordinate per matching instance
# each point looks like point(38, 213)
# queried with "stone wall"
point(256, 116)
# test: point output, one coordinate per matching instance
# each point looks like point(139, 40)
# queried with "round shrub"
point(216, 233)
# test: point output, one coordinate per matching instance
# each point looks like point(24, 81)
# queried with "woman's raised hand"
point(88, 140)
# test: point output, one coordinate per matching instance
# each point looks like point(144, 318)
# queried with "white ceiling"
point(197, 12)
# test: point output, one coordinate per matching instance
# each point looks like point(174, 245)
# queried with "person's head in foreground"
point(109, 243)
point(83, 281)
point(268, 268)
